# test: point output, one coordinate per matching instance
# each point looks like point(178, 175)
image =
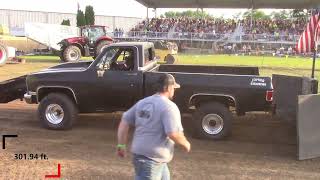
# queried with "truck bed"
point(249, 96)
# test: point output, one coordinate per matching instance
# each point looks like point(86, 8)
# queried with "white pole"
point(147, 13)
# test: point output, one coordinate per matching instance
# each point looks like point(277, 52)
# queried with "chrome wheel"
point(212, 124)
point(54, 113)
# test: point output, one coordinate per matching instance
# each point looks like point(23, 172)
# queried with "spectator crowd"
point(183, 27)
point(277, 29)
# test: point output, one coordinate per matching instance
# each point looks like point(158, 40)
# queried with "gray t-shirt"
point(153, 118)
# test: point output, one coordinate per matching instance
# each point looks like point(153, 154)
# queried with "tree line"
point(256, 14)
point(86, 18)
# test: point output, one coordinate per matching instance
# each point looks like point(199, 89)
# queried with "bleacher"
point(215, 31)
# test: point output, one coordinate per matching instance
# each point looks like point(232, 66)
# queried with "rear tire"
point(3, 55)
point(71, 54)
point(212, 121)
point(57, 111)
point(100, 47)
point(170, 59)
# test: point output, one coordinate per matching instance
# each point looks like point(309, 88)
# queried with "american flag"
point(307, 39)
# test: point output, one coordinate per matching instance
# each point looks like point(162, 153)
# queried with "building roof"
point(257, 4)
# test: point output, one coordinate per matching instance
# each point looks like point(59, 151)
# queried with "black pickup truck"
point(125, 73)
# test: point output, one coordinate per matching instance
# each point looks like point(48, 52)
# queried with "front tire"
point(3, 55)
point(57, 111)
point(71, 54)
point(212, 121)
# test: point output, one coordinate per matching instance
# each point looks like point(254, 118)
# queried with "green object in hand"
point(121, 146)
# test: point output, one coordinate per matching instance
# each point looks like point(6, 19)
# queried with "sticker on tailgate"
point(258, 82)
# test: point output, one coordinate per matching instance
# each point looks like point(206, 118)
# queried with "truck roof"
point(142, 44)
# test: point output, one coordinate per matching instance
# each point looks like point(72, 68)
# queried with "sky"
point(128, 8)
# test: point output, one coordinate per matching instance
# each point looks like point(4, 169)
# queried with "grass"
point(260, 61)
point(294, 66)
point(267, 65)
point(33, 64)
point(48, 59)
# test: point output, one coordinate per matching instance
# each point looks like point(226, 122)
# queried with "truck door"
point(120, 86)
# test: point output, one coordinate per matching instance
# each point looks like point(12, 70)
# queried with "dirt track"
point(260, 148)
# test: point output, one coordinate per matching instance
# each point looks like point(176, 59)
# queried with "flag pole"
point(315, 50)
point(314, 62)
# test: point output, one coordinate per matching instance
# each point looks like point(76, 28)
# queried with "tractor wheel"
point(3, 54)
point(71, 54)
point(170, 59)
point(101, 46)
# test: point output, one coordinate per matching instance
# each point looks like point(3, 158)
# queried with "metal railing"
point(230, 37)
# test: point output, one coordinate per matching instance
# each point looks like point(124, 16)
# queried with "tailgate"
point(12, 89)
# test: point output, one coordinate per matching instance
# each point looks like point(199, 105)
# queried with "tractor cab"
point(93, 33)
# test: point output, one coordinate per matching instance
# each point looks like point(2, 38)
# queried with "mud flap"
point(308, 126)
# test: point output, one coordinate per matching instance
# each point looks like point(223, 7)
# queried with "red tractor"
point(93, 39)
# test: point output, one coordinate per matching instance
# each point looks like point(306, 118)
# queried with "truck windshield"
point(108, 56)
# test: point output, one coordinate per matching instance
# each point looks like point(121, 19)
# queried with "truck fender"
point(45, 90)
point(197, 99)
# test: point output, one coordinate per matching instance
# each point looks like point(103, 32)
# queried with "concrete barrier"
point(308, 126)
point(286, 92)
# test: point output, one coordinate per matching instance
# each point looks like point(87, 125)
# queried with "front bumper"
point(30, 97)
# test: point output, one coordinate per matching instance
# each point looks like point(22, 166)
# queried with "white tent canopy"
point(256, 4)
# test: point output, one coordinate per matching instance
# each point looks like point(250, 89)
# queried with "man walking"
point(157, 123)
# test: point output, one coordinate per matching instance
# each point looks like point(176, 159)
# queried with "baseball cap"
point(166, 80)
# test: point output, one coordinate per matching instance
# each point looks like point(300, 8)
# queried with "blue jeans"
point(148, 169)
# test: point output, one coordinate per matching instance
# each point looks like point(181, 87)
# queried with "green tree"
point(170, 14)
point(89, 15)
point(81, 20)
point(188, 13)
point(299, 13)
point(66, 22)
point(280, 15)
point(256, 14)
point(237, 15)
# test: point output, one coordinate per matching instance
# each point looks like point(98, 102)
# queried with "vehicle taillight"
point(269, 96)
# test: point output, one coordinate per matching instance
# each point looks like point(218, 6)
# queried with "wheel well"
point(43, 92)
point(228, 101)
